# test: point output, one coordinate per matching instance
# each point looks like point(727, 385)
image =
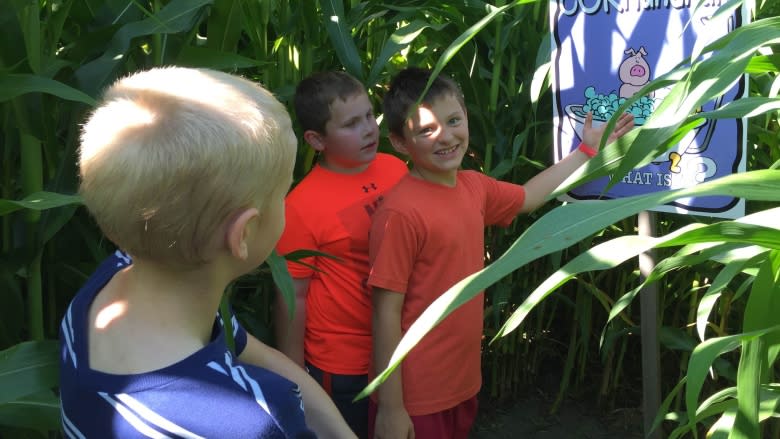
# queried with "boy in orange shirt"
point(429, 234)
point(330, 211)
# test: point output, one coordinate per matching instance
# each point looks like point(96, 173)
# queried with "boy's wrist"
point(587, 150)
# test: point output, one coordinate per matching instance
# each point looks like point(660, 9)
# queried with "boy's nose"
point(445, 135)
point(370, 127)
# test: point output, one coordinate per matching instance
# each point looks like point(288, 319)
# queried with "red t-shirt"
point(331, 212)
point(425, 238)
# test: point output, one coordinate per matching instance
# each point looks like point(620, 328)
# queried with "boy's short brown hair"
point(315, 94)
point(405, 90)
point(170, 153)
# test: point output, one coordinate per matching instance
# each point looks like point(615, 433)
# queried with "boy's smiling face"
point(436, 137)
point(351, 135)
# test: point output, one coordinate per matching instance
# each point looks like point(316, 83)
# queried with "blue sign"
point(605, 51)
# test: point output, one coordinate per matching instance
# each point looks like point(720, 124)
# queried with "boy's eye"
point(454, 121)
point(426, 131)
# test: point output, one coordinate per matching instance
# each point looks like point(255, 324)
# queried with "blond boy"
point(185, 170)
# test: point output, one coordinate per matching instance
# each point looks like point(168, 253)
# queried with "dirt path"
point(529, 418)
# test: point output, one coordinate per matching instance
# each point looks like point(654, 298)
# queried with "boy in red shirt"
point(429, 234)
point(330, 211)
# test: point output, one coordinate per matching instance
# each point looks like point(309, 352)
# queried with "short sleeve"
point(504, 201)
point(393, 246)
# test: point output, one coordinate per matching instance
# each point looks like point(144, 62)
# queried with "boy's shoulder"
point(386, 169)
point(106, 270)
point(385, 159)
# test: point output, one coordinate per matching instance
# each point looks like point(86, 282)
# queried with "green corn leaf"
point(194, 56)
point(38, 411)
point(687, 256)
point(176, 16)
point(27, 368)
point(666, 404)
point(283, 280)
point(224, 25)
point(763, 305)
point(744, 107)
point(764, 64)
point(612, 253)
point(722, 428)
point(341, 37)
point(730, 270)
point(398, 41)
point(38, 201)
point(13, 85)
point(467, 36)
point(29, 19)
point(769, 398)
point(701, 360)
point(600, 257)
point(748, 384)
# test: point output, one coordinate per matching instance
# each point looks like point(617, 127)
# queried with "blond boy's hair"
point(171, 153)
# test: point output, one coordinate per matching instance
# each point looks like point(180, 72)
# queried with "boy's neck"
point(441, 179)
point(192, 294)
point(342, 169)
point(147, 309)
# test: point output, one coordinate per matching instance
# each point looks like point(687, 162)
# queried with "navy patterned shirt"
point(209, 394)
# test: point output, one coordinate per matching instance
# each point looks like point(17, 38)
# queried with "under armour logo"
point(372, 187)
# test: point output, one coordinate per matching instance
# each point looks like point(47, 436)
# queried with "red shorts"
point(453, 423)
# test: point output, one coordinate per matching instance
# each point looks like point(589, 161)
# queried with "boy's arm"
point(538, 188)
point(392, 420)
point(321, 413)
point(290, 333)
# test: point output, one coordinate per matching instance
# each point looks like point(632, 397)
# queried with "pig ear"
point(642, 50)
point(630, 51)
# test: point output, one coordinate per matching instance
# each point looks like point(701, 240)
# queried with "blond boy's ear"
point(314, 139)
point(238, 230)
point(398, 142)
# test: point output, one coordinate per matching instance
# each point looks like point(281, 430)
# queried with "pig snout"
point(638, 70)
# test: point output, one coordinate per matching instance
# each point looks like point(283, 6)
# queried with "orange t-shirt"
point(425, 238)
point(331, 212)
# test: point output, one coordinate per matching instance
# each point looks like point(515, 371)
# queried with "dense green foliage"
point(717, 279)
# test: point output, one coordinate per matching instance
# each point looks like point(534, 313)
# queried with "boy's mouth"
point(369, 146)
point(446, 151)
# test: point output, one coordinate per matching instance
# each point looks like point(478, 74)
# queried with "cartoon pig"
point(634, 72)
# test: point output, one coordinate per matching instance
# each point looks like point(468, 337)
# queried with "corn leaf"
point(38, 411)
point(341, 37)
point(13, 85)
point(38, 201)
point(27, 368)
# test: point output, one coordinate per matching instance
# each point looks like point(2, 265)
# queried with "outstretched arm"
point(538, 188)
point(322, 416)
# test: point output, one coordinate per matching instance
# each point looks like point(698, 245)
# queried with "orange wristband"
point(590, 152)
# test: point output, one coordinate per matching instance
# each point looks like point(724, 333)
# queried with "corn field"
point(561, 284)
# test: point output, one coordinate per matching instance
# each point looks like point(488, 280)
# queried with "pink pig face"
point(634, 69)
point(634, 72)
